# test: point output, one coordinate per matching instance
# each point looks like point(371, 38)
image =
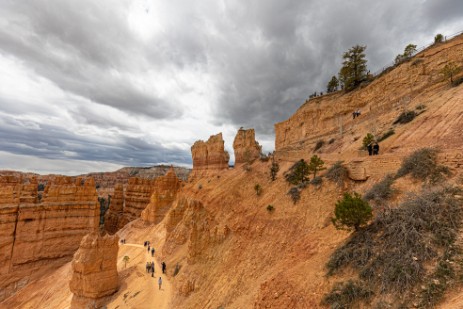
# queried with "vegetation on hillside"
point(408, 255)
point(354, 68)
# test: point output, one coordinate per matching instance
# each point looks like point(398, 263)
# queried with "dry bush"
point(381, 191)
point(405, 117)
point(422, 164)
point(344, 295)
point(295, 194)
point(391, 253)
point(337, 173)
point(319, 145)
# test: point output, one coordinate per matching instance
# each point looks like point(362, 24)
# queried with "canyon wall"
point(39, 235)
point(165, 191)
point(245, 146)
point(94, 269)
point(137, 196)
point(113, 220)
point(417, 82)
point(209, 156)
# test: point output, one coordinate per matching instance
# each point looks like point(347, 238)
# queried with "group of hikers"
point(123, 241)
point(373, 149)
point(150, 265)
point(355, 114)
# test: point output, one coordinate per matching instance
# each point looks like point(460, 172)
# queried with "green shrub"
point(319, 145)
point(345, 294)
point(316, 165)
point(386, 135)
point(258, 189)
point(298, 173)
point(274, 168)
point(295, 194)
point(368, 139)
point(405, 117)
point(270, 208)
point(420, 107)
point(177, 269)
point(381, 191)
point(422, 164)
point(41, 187)
point(351, 212)
point(337, 173)
point(439, 38)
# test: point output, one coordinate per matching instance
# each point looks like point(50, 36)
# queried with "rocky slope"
point(209, 157)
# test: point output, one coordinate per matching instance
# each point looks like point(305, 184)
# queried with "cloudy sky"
point(95, 85)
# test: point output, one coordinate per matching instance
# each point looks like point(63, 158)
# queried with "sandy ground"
point(138, 289)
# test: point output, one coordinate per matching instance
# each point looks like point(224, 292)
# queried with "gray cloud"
point(263, 59)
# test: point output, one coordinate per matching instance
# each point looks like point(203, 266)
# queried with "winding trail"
point(138, 288)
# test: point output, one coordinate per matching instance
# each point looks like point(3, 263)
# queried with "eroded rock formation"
point(246, 148)
point(209, 156)
point(137, 196)
point(113, 218)
point(94, 270)
point(40, 235)
point(166, 188)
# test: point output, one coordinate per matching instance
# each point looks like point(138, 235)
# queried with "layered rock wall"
point(37, 236)
point(113, 217)
point(209, 156)
point(245, 146)
point(94, 270)
point(137, 196)
point(166, 188)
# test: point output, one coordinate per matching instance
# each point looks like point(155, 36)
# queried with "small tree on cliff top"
point(333, 85)
point(351, 212)
point(354, 67)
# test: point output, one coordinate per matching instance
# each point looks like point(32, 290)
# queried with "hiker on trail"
point(160, 282)
point(152, 270)
point(354, 114)
point(152, 252)
point(148, 266)
point(148, 248)
point(152, 266)
point(163, 267)
point(375, 149)
point(370, 149)
point(144, 244)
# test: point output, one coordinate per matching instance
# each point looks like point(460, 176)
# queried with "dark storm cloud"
point(291, 49)
point(85, 48)
point(30, 138)
point(263, 59)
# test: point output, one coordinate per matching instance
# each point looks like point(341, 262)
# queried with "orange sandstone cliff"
point(113, 220)
point(209, 156)
point(164, 194)
point(39, 236)
point(245, 146)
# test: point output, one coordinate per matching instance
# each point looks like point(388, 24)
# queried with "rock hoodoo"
point(41, 235)
point(164, 194)
point(209, 156)
point(246, 148)
point(94, 270)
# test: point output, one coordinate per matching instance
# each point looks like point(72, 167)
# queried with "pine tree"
point(354, 67)
point(333, 85)
point(315, 165)
point(351, 212)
